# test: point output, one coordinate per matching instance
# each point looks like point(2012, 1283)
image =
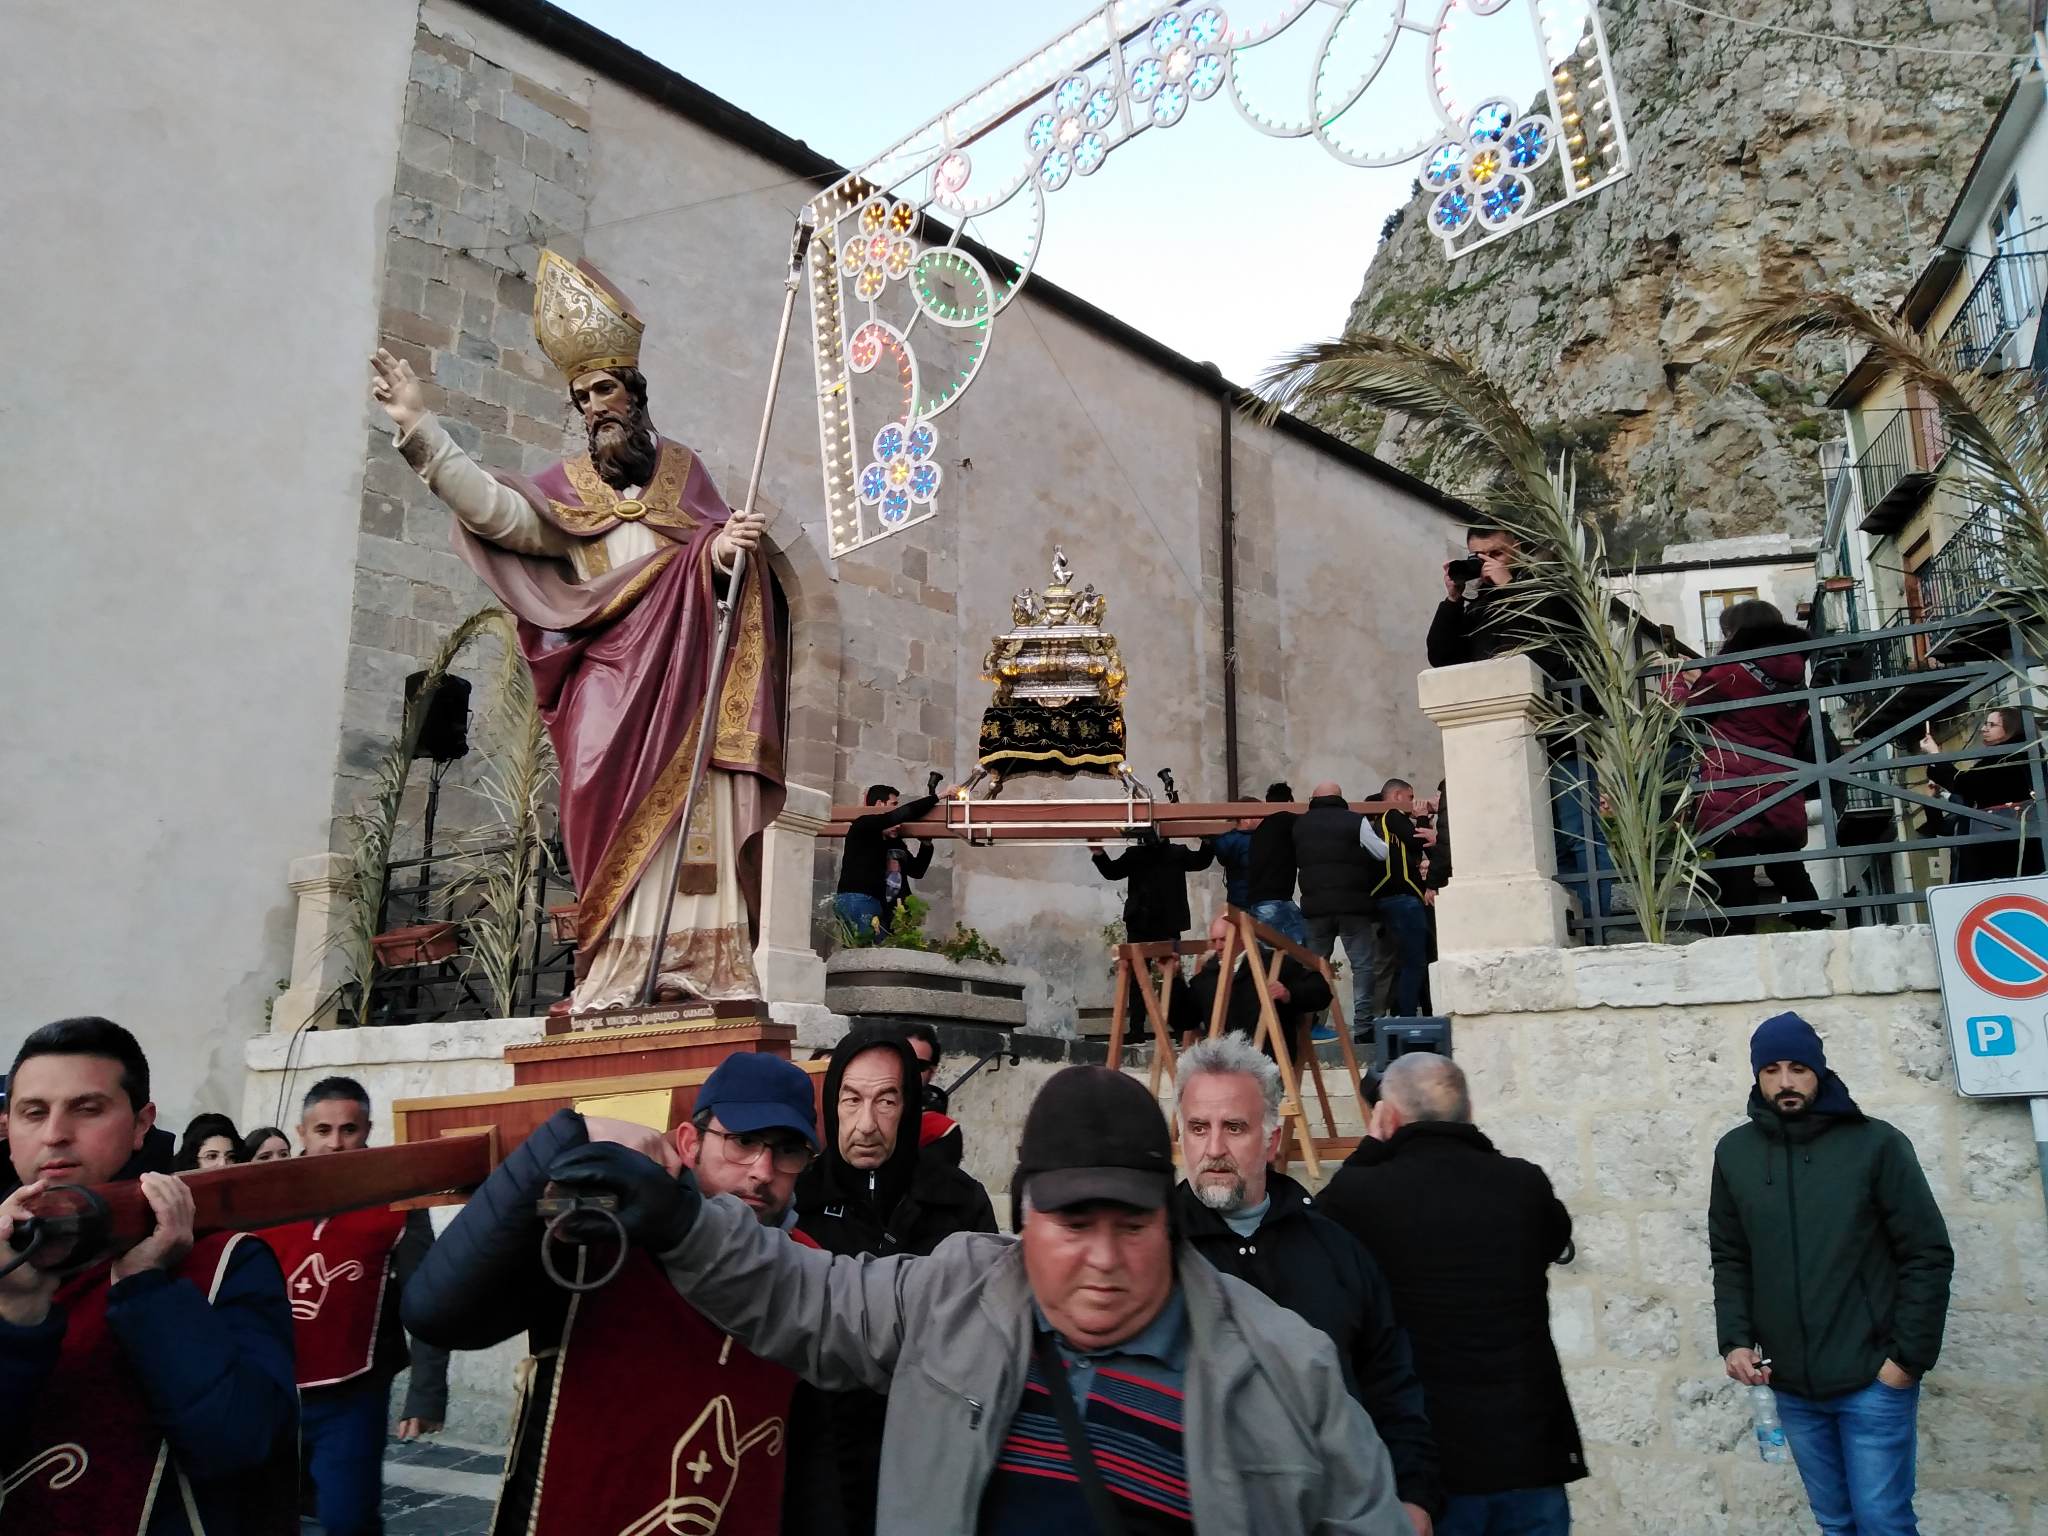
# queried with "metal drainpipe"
point(1228, 523)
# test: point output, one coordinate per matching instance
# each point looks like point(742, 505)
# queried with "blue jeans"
point(1407, 923)
point(859, 918)
point(341, 1449)
point(1283, 917)
point(1355, 929)
point(1855, 1455)
point(1581, 842)
point(1518, 1512)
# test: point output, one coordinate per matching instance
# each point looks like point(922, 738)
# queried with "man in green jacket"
point(1831, 1274)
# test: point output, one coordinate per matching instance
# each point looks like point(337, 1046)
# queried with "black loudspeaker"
point(444, 735)
point(1397, 1037)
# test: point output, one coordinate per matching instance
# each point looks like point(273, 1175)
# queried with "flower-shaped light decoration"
point(1486, 177)
point(1186, 60)
point(880, 248)
point(903, 473)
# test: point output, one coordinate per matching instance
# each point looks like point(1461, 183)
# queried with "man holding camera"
point(1479, 619)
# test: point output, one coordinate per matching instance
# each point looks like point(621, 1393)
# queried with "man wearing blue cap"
point(636, 1413)
point(1831, 1276)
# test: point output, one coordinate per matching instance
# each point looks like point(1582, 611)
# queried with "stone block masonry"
point(1617, 1070)
point(492, 165)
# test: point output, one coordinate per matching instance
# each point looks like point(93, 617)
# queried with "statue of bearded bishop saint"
point(613, 563)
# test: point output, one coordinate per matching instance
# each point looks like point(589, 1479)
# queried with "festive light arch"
point(879, 295)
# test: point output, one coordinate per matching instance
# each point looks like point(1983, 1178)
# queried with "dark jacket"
point(918, 1198)
point(2003, 777)
point(1271, 875)
point(1194, 1002)
point(1772, 727)
point(483, 1283)
point(1337, 874)
point(1156, 901)
point(1466, 1237)
point(864, 861)
point(1317, 1270)
point(1487, 626)
point(1440, 851)
point(1401, 874)
point(218, 1373)
point(1234, 858)
point(909, 866)
point(1828, 1248)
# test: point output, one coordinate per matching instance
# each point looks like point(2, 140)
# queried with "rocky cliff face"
point(1761, 160)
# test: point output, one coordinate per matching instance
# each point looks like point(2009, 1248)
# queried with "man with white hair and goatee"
point(1256, 1223)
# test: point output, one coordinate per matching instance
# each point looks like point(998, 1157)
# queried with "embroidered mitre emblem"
point(703, 1472)
point(309, 1284)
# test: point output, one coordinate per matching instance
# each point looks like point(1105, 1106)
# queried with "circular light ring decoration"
point(1490, 122)
point(1331, 106)
point(1100, 110)
point(1147, 75)
point(1452, 211)
point(1208, 27)
point(874, 212)
point(970, 319)
point(897, 259)
point(902, 218)
point(1090, 153)
point(1167, 31)
point(1483, 166)
point(1170, 105)
point(895, 506)
point(870, 283)
point(1443, 166)
point(1055, 169)
point(951, 173)
point(1531, 142)
point(865, 348)
point(889, 443)
point(1041, 132)
point(1207, 77)
point(1246, 43)
point(1506, 201)
point(903, 473)
point(1069, 95)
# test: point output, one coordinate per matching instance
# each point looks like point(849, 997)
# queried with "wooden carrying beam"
point(77, 1224)
point(1080, 821)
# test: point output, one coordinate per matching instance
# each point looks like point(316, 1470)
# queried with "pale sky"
point(1227, 245)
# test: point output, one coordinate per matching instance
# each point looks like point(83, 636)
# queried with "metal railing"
point(1996, 315)
point(1969, 569)
point(1876, 812)
point(1898, 463)
point(433, 890)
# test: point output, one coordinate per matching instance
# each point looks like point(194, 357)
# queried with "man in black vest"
point(1341, 859)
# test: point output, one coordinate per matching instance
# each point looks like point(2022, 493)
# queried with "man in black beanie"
point(1831, 1275)
point(1093, 1373)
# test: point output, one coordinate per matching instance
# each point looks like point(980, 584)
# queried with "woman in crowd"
point(265, 1144)
point(1777, 728)
point(2003, 781)
point(211, 1141)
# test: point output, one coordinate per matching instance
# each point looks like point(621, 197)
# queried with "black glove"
point(657, 1211)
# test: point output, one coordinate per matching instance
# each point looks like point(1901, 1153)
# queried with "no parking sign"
point(1992, 943)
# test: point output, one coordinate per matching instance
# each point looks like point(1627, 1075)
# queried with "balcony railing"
point(1964, 573)
point(2001, 315)
point(1898, 465)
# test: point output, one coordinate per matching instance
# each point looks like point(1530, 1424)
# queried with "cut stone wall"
point(1617, 1070)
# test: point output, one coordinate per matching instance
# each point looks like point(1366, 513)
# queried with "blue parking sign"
point(1991, 1034)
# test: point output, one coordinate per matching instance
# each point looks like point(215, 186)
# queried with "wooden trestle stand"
point(1151, 968)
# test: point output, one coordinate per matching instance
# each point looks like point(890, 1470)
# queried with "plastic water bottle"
point(1763, 1418)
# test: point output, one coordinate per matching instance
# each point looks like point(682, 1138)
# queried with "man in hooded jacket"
point(874, 1190)
point(1831, 1278)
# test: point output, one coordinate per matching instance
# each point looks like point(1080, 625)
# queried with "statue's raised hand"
point(398, 390)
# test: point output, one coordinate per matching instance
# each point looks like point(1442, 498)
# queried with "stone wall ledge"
point(458, 1040)
point(1744, 969)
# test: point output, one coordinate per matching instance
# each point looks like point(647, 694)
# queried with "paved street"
point(437, 1488)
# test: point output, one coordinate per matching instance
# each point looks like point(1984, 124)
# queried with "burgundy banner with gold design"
point(334, 1272)
point(660, 1423)
point(98, 1462)
point(620, 665)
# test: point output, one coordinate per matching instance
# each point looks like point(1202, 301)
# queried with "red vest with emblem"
point(660, 1424)
point(334, 1273)
point(99, 1464)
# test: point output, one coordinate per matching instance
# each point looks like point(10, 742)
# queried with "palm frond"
point(1630, 733)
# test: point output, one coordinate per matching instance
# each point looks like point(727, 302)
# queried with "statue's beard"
point(624, 451)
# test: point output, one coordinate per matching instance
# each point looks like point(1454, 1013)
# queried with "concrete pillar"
point(789, 968)
point(316, 965)
point(1503, 894)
